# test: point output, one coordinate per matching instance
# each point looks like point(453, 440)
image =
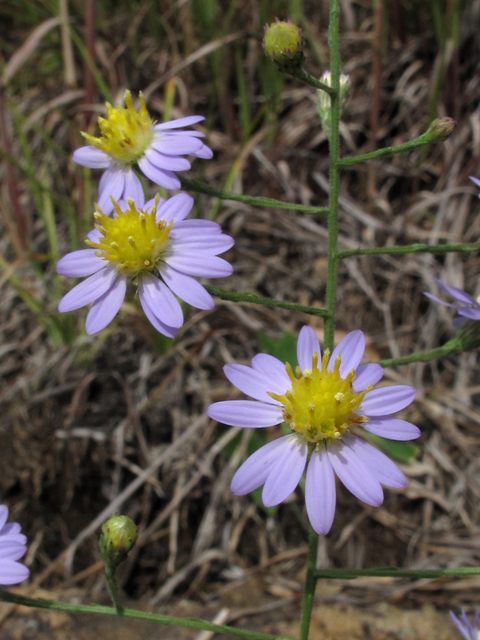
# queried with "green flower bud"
point(323, 102)
point(441, 129)
point(468, 336)
point(283, 43)
point(118, 537)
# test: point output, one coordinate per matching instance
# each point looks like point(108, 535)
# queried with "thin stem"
point(331, 293)
point(306, 78)
point(393, 572)
point(387, 151)
point(190, 623)
point(412, 248)
point(200, 187)
point(310, 583)
point(423, 356)
point(266, 302)
point(112, 587)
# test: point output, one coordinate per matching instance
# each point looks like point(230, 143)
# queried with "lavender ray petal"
point(11, 549)
point(215, 244)
point(353, 473)
point(475, 180)
point(254, 471)
point(161, 177)
point(91, 157)
point(468, 312)
point(392, 428)
point(186, 288)
point(351, 348)
point(151, 203)
point(190, 132)
point(89, 290)
point(178, 145)
point(94, 235)
point(81, 263)
point(385, 471)
point(285, 475)
point(205, 153)
point(12, 572)
point(105, 308)
point(112, 188)
point(459, 322)
point(387, 400)
point(457, 294)
point(367, 374)
point(320, 492)
point(161, 300)
point(307, 345)
point(245, 413)
point(133, 189)
point(161, 327)
point(198, 226)
point(175, 209)
point(179, 122)
point(201, 265)
point(274, 369)
point(3, 516)
point(253, 383)
point(171, 163)
point(439, 300)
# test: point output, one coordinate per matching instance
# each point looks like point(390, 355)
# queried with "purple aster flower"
point(468, 631)
point(322, 401)
point(158, 249)
point(130, 137)
point(12, 547)
point(476, 181)
point(467, 307)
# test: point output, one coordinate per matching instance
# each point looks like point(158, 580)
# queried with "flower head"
point(322, 402)
point(128, 137)
point(468, 631)
point(118, 537)
point(467, 307)
point(12, 547)
point(153, 245)
point(324, 107)
point(283, 44)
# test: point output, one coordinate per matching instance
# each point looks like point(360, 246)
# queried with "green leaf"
point(285, 349)
point(400, 451)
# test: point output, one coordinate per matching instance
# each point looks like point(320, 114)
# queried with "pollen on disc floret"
point(133, 241)
point(321, 405)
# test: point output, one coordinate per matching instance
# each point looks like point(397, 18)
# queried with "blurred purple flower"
point(130, 137)
point(138, 242)
point(466, 305)
point(468, 631)
point(476, 181)
point(12, 547)
point(320, 405)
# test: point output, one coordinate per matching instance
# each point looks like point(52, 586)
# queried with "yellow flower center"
point(321, 405)
point(132, 240)
point(126, 133)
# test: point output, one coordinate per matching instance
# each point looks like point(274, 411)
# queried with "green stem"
point(393, 572)
point(266, 302)
point(306, 78)
point(424, 356)
point(112, 587)
point(412, 248)
point(190, 623)
point(387, 151)
point(331, 293)
point(200, 187)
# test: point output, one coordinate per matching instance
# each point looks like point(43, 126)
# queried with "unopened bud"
point(324, 108)
point(467, 336)
point(283, 43)
point(118, 537)
point(441, 129)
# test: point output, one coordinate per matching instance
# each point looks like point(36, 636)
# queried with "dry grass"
point(117, 422)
